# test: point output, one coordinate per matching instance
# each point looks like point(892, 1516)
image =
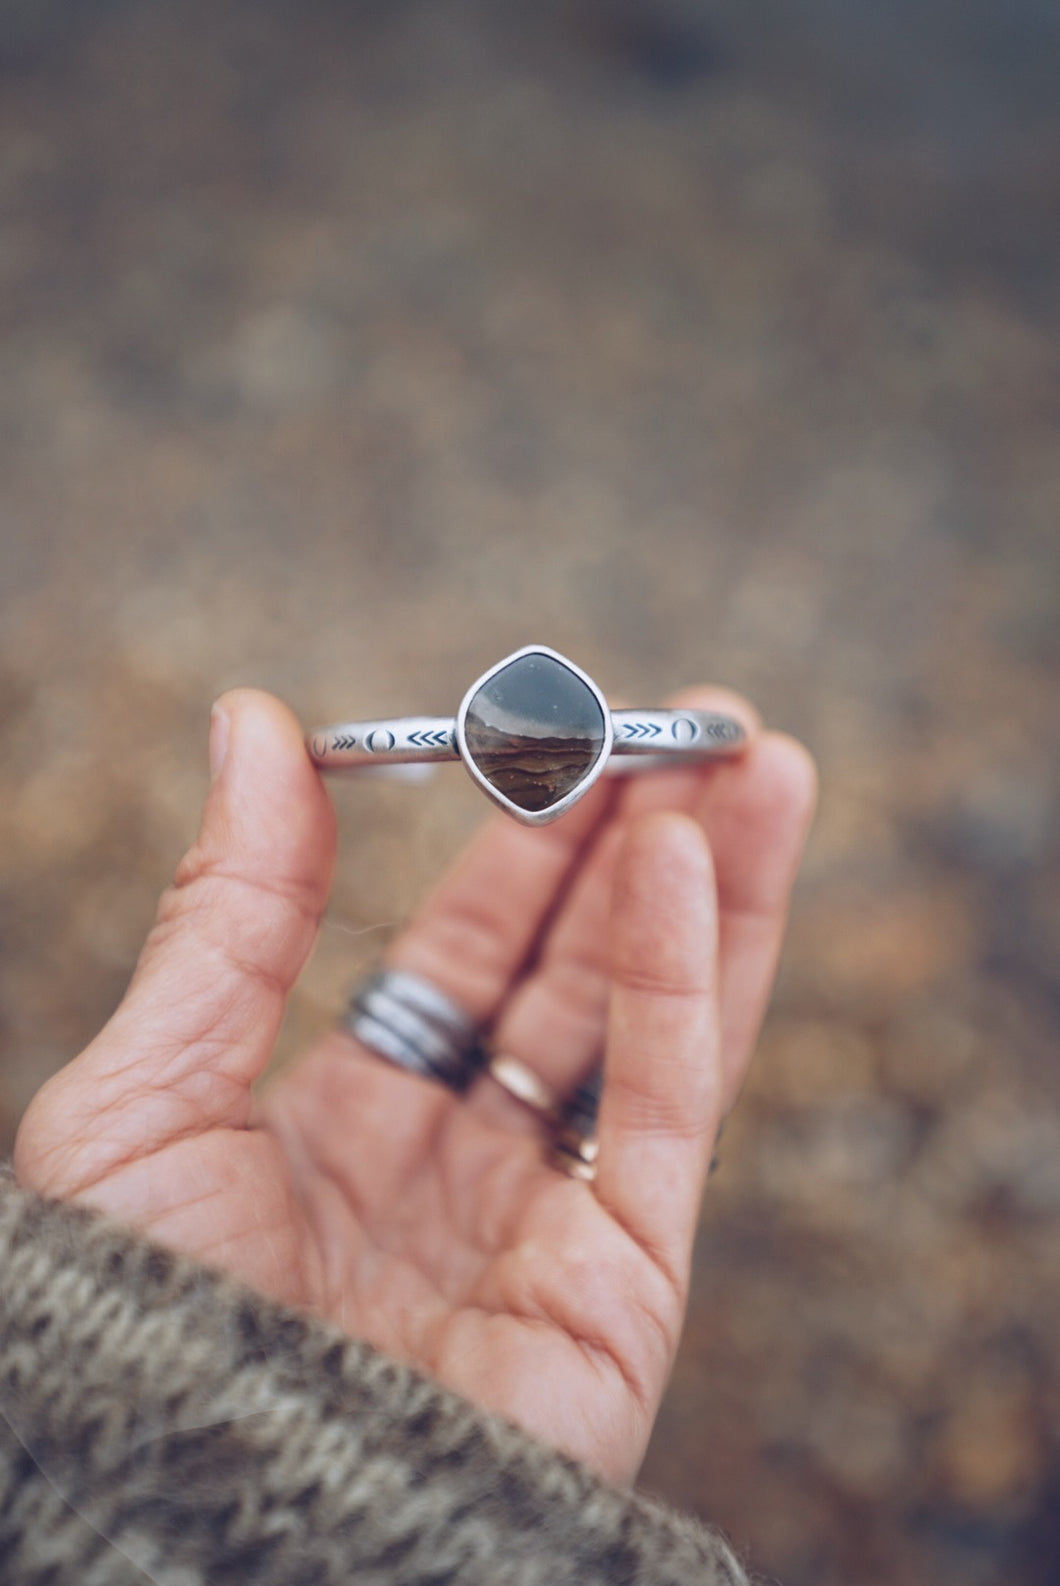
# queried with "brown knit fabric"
point(159, 1423)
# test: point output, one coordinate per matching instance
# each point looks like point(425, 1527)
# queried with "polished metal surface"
point(629, 739)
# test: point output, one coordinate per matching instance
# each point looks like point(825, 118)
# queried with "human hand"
point(643, 927)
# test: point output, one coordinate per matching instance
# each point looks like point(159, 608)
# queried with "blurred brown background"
point(348, 346)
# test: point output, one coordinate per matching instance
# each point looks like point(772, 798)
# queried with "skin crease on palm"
point(642, 927)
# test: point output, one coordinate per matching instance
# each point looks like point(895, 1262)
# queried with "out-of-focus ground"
point(346, 347)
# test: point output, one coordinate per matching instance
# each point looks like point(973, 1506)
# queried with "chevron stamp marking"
point(437, 739)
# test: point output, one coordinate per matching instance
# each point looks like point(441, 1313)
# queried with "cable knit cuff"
point(160, 1423)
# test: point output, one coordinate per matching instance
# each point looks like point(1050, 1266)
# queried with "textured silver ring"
point(410, 1022)
point(535, 733)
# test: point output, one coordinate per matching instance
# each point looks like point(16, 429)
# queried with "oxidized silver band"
point(534, 732)
point(410, 1022)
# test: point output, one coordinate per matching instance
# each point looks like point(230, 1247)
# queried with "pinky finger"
point(663, 1082)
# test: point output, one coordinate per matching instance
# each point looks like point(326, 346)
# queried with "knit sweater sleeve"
point(160, 1424)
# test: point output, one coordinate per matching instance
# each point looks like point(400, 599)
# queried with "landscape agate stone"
point(534, 730)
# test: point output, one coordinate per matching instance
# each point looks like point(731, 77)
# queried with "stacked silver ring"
point(409, 1021)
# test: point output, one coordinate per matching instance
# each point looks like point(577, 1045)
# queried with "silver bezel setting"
point(581, 787)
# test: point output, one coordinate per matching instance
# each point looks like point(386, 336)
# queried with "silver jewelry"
point(534, 732)
point(575, 1148)
point(575, 1155)
point(407, 1020)
point(571, 1124)
point(524, 1086)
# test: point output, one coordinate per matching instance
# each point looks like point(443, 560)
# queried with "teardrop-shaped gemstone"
point(534, 730)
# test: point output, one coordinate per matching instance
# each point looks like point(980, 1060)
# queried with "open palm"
point(641, 930)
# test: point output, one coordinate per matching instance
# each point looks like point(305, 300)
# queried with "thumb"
point(201, 1014)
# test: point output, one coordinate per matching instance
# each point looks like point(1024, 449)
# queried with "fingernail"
point(219, 728)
